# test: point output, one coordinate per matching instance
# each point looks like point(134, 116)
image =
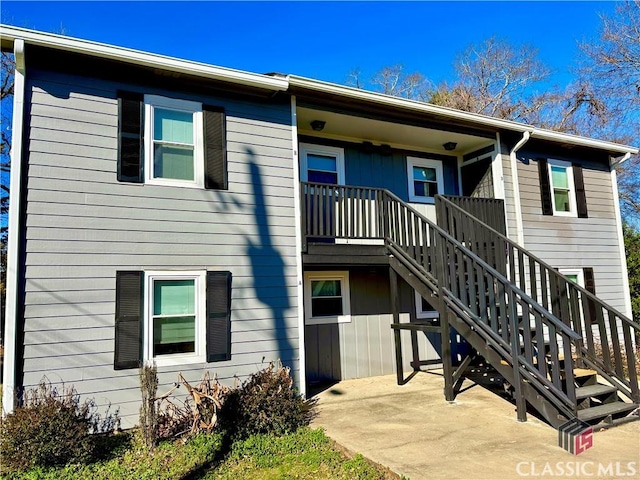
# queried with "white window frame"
point(152, 101)
point(336, 152)
point(578, 272)
point(572, 188)
point(429, 163)
point(343, 277)
point(421, 314)
point(199, 354)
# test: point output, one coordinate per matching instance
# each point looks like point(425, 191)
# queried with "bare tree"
point(498, 79)
point(394, 81)
point(611, 69)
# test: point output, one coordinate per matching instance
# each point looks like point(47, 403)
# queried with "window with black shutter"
point(180, 324)
point(168, 141)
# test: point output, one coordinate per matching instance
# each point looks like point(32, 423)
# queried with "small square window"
point(321, 164)
point(562, 188)
point(424, 310)
point(327, 297)
point(425, 179)
point(174, 142)
point(175, 316)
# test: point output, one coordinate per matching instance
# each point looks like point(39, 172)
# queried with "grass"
point(306, 454)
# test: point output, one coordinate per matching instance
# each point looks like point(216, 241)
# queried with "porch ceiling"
point(359, 129)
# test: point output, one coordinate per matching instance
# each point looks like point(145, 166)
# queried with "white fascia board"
point(137, 57)
point(397, 102)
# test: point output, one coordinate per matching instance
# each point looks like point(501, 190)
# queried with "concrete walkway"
point(413, 431)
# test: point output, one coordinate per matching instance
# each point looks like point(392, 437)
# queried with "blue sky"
point(323, 40)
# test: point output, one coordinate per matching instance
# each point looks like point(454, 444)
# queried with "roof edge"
point(8, 34)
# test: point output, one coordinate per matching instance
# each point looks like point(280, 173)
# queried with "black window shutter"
point(129, 312)
point(581, 199)
point(218, 316)
point(589, 281)
point(130, 137)
point(545, 187)
point(215, 149)
point(590, 286)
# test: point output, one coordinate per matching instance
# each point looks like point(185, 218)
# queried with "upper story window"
point(174, 144)
point(167, 141)
point(426, 179)
point(321, 164)
point(562, 188)
point(563, 195)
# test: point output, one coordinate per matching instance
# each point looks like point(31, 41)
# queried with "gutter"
point(14, 237)
point(621, 160)
point(101, 50)
point(516, 186)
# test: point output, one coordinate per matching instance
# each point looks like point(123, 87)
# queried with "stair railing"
point(607, 337)
point(489, 302)
point(476, 291)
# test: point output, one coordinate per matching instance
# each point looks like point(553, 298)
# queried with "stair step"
point(580, 372)
point(605, 410)
point(594, 390)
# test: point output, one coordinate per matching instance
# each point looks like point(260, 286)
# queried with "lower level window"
point(327, 297)
point(176, 310)
point(424, 310)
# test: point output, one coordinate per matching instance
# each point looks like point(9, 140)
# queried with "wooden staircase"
point(562, 350)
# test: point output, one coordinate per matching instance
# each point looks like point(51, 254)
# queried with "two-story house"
point(204, 218)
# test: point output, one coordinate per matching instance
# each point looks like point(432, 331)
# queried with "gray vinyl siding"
point(568, 242)
point(364, 347)
point(375, 170)
point(509, 195)
point(82, 226)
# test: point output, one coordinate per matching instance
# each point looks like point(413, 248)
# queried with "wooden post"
point(521, 404)
point(395, 305)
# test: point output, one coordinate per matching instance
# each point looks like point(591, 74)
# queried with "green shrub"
point(51, 428)
point(266, 403)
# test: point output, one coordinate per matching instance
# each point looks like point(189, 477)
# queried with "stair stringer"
point(547, 409)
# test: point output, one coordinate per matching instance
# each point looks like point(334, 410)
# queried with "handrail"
point(572, 304)
point(353, 212)
point(590, 295)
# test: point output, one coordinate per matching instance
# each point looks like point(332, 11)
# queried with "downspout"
point(626, 292)
point(516, 187)
point(14, 234)
point(302, 385)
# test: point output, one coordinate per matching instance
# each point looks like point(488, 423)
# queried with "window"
point(166, 141)
point(576, 275)
point(562, 188)
point(172, 317)
point(425, 179)
point(424, 310)
point(321, 164)
point(327, 297)
point(175, 316)
point(173, 140)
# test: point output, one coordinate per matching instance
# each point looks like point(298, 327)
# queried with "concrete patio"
point(413, 431)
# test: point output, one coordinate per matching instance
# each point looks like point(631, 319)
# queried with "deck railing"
point(607, 337)
point(466, 284)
